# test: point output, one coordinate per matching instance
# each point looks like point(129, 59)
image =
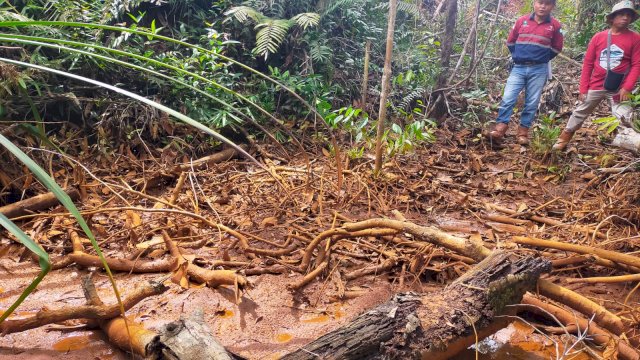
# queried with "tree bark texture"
point(445, 56)
point(386, 79)
point(426, 327)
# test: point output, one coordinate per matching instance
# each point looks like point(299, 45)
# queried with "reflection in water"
point(518, 341)
point(283, 337)
point(317, 319)
point(93, 342)
point(225, 314)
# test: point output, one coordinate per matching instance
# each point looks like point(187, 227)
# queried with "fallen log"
point(203, 162)
point(36, 203)
point(430, 327)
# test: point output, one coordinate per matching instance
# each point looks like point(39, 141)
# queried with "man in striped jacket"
point(534, 40)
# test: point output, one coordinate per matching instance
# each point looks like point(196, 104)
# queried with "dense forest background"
point(318, 49)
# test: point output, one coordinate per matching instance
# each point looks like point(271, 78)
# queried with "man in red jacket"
point(623, 61)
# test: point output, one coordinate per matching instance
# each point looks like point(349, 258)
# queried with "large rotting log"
point(433, 326)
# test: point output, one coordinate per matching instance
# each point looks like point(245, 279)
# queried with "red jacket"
point(625, 56)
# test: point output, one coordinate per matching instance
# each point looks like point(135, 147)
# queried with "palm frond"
point(244, 13)
point(271, 34)
point(306, 19)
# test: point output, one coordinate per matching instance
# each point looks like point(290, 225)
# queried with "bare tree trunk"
point(471, 39)
point(365, 76)
point(439, 109)
point(386, 77)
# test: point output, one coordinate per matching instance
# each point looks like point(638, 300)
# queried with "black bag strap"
point(609, 53)
point(608, 50)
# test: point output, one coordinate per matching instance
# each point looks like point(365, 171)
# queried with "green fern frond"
point(410, 8)
point(407, 101)
point(271, 34)
point(12, 16)
point(306, 19)
point(320, 52)
point(339, 4)
point(244, 13)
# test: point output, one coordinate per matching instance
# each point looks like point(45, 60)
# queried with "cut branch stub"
point(188, 339)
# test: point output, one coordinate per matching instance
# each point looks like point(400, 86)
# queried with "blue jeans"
point(530, 77)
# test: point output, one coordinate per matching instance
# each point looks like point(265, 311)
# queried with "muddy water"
point(518, 341)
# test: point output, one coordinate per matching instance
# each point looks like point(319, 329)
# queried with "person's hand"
point(624, 95)
point(582, 97)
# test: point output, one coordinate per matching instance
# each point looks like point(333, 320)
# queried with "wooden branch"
point(614, 256)
point(36, 203)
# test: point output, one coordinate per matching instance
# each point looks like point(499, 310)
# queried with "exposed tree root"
point(95, 312)
point(468, 248)
point(632, 261)
point(39, 202)
point(213, 278)
point(580, 303)
point(79, 257)
point(606, 279)
point(202, 163)
point(600, 336)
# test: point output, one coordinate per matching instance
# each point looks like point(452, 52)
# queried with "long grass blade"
point(45, 264)
point(62, 196)
point(41, 41)
point(142, 99)
point(199, 48)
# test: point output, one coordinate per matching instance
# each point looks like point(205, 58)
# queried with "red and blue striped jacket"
point(533, 43)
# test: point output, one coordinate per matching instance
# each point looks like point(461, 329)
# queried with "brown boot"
point(497, 134)
point(563, 140)
point(523, 135)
